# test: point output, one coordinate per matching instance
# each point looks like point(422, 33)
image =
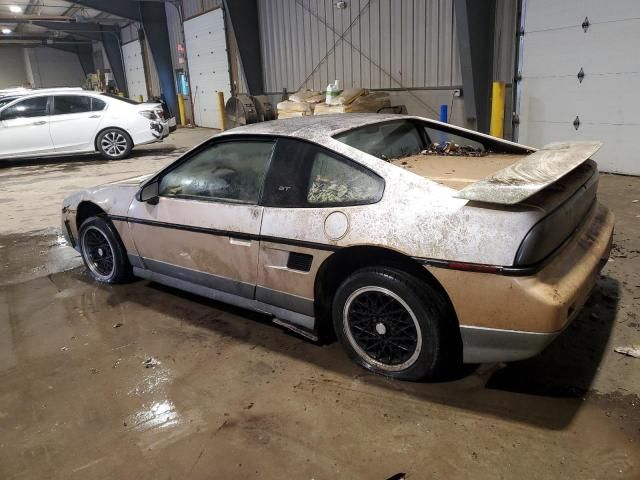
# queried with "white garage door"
point(206, 45)
point(555, 104)
point(134, 70)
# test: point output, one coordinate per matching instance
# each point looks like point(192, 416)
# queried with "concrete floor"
point(233, 396)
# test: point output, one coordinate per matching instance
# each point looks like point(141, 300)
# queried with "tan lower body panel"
point(542, 303)
point(125, 235)
point(274, 274)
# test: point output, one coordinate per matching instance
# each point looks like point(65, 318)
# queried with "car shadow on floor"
point(545, 391)
point(92, 158)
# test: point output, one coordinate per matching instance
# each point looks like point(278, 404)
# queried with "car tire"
point(114, 144)
point(396, 325)
point(102, 251)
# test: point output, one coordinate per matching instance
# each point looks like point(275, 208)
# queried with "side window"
point(97, 105)
point(334, 182)
point(28, 108)
point(66, 104)
point(228, 171)
point(306, 175)
point(440, 137)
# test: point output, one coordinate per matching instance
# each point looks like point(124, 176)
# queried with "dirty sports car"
point(419, 244)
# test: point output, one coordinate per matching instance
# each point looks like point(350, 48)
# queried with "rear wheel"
point(102, 251)
point(114, 144)
point(394, 324)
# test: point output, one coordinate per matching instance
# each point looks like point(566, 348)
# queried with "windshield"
point(124, 99)
point(6, 100)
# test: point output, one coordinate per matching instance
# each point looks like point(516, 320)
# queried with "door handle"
point(41, 122)
point(94, 116)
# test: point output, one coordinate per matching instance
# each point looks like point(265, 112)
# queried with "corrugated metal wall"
point(379, 44)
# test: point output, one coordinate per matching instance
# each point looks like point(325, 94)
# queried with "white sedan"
point(47, 123)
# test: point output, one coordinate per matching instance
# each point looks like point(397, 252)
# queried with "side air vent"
point(299, 261)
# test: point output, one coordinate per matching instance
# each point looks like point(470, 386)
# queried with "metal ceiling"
point(23, 29)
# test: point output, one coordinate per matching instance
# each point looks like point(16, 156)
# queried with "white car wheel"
point(114, 144)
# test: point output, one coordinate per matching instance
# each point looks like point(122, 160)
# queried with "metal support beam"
point(108, 35)
point(153, 17)
point(245, 26)
point(154, 23)
point(84, 52)
point(85, 55)
point(475, 21)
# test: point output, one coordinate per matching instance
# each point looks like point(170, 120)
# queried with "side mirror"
point(149, 193)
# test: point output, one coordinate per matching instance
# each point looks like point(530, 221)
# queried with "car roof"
point(319, 128)
point(313, 126)
point(48, 91)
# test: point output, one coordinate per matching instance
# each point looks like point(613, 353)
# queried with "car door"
point(204, 228)
point(310, 197)
point(24, 128)
point(74, 121)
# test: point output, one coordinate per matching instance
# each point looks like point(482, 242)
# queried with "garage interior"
point(145, 381)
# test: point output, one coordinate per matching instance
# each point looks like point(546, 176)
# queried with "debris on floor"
point(151, 362)
point(118, 325)
point(629, 351)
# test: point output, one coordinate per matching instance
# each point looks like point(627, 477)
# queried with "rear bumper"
point(483, 345)
point(511, 318)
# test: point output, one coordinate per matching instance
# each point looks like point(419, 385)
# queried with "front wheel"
point(394, 324)
point(114, 144)
point(102, 251)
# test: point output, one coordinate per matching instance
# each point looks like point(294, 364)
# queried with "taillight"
point(150, 114)
point(160, 114)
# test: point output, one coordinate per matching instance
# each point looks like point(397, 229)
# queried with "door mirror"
point(149, 193)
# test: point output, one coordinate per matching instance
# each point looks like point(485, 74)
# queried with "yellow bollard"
point(183, 121)
point(497, 109)
point(221, 111)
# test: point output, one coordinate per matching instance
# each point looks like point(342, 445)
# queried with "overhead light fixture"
point(15, 9)
point(6, 31)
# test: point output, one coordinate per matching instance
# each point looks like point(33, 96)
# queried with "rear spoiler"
point(533, 173)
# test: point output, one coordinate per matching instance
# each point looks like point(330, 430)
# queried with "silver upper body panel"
point(416, 216)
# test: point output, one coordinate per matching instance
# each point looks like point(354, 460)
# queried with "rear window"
point(97, 104)
point(122, 99)
point(385, 140)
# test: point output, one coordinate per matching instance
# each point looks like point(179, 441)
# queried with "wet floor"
point(143, 381)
